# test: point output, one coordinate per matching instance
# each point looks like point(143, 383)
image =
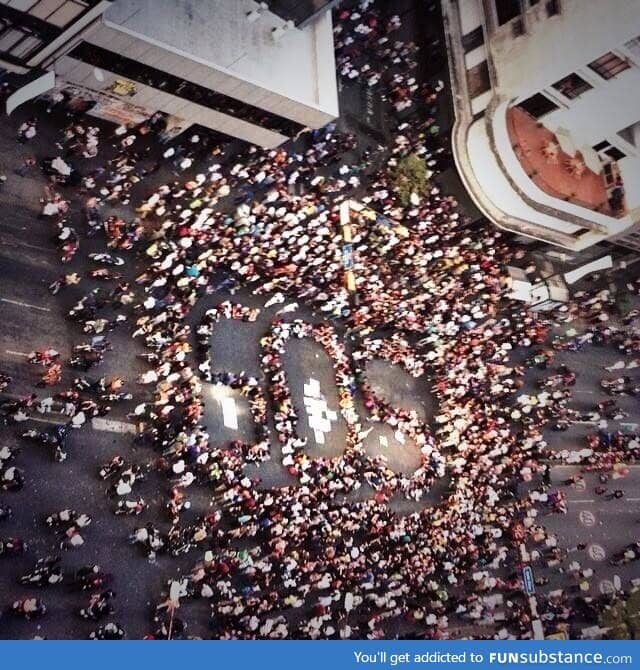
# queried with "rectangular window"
point(66, 14)
point(9, 38)
point(507, 10)
point(473, 40)
point(615, 153)
point(517, 27)
point(478, 80)
point(572, 86)
point(538, 105)
point(45, 7)
point(605, 147)
point(20, 5)
point(552, 7)
point(609, 65)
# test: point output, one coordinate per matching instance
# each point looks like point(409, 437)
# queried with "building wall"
point(72, 71)
point(294, 73)
point(168, 58)
point(557, 45)
point(519, 66)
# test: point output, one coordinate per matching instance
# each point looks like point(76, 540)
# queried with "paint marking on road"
point(587, 518)
point(606, 587)
point(113, 426)
point(581, 502)
point(229, 412)
point(24, 244)
point(52, 422)
point(596, 552)
point(633, 499)
point(25, 304)
point(16, 353)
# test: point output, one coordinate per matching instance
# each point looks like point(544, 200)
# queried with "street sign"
point(347, 259)
point(527, 581)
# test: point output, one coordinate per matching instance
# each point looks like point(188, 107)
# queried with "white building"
point(229, 65)
point(547, 103)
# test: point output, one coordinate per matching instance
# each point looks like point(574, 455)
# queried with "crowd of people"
point(430, 296)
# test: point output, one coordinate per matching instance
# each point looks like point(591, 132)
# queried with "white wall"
point(558, 45)
point(76, 72)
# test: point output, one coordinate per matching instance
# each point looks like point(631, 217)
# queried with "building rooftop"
point(299, 64)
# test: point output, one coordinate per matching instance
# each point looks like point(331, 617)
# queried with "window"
point(609, 65)
point(473, 40)
point(26, 47)
point(605, 147)
point(518, 28)
point(538, 105)
point(478, 80)
point(18, 42)
point(552, 7)
point(507, 10)
point(572, 86)
point(43, 8)
point(9, 38)
point(57, 12)
point(615, 153)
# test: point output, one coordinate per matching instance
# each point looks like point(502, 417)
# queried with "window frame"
point(605, 72)
point(574, 92)
point(552, 104)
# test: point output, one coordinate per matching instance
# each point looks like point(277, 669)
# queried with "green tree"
point(410, 176)
point(622, 617)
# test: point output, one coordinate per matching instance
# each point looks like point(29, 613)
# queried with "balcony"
point(559, 169)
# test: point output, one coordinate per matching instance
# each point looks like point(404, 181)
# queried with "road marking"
point(606, 587)
point(16, 353)
point(229, 412)
point(633, 499)
point(24, 244)
point(596, 552)
point(37, 419)
point(581, 502)
point(587, 518)
point(25, 304)
point(113, 426)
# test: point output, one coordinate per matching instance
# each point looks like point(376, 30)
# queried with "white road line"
point(580, 502)
point(633, 499)
point(8, 243)
point(50, 421)
point(16, 353)
point(229, 412)
point(25, 304)
point(113, 426)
